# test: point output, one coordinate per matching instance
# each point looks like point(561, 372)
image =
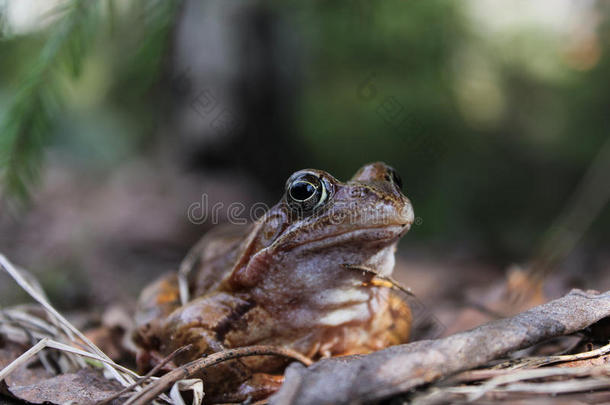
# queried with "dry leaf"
point(32, 383)
point(86, 386)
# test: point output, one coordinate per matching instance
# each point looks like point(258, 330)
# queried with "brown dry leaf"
point(32, 383)
point(86, 386)
point(359, 379)
point(9, 351)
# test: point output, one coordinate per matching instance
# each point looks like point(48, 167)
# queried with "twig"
point(151, 391)
point(401, 368)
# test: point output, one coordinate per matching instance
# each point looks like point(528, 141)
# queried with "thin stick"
point(151, 391)
point(145, 377)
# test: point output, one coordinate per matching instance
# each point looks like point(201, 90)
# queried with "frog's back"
point(211, 260)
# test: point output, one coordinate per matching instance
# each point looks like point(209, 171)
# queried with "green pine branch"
point(28, 121)
point(3, 25)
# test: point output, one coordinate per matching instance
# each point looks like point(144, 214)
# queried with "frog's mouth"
point(381, 235)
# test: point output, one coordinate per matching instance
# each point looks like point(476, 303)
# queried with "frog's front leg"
point(156, 302)
point(202, 323)
point(209, 324)
point(163, 324)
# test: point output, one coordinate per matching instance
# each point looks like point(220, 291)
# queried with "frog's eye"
point(306, 191)
point(393, 177)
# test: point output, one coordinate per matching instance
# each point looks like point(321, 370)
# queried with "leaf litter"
point(44, 358)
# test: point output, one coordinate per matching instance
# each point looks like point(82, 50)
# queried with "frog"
point(301, 277)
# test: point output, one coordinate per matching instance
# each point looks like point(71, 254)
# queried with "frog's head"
point(324, 212)
point(321, 224)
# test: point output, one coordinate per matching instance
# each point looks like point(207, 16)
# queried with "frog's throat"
point(247, 273)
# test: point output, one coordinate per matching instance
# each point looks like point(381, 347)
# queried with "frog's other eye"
point(393, 177)
point(306, 192)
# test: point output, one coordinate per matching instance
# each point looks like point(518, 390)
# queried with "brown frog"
point(301, 277)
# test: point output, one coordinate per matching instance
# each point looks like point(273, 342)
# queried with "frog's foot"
point(258, 386)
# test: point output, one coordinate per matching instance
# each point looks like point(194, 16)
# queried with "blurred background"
point(116, 116)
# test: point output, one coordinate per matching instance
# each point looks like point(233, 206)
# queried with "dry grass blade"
point(60, 346)
point(24, 318)
point(577, 379)
point(23, 326)
point(559, 387)
point(523, 375)
point(464, 394)
point(187, 370)
point(508, 367)
point(123, 378)
point(48, 343)
point(543, 361)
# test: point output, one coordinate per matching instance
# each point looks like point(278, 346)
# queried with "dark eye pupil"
point(302, 191)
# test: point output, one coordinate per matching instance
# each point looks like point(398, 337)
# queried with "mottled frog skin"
point(291, 279)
